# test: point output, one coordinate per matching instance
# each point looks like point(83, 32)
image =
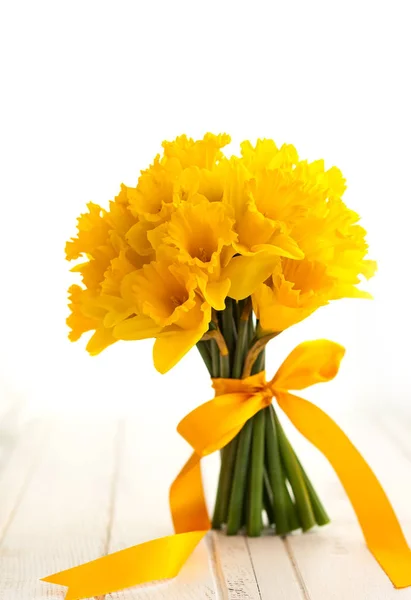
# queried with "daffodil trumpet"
point(262, 484)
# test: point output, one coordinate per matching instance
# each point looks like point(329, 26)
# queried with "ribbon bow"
point(209, 428)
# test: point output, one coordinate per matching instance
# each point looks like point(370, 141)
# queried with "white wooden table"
point(72, 491)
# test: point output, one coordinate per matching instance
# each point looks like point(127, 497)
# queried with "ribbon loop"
point(210, 427)
point(309, 363)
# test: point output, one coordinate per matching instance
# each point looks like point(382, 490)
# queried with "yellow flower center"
point(306, 276)
point(178, 300)
point(162, 291)
point(203, 254)
point(200, 231)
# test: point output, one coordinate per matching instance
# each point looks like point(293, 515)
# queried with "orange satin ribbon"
point(210, 427)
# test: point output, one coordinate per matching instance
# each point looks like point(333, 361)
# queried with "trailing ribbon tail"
point(187, 503)
point(158, 559)
point(380, 526)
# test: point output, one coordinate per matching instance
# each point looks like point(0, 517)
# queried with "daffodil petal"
point(170, 347)
point(349, 291)
point(215, 292)
point(282, 245)
point(247, 272)
point(114, 318)
point(138, 239)
point(101, 339)
point(136, 328)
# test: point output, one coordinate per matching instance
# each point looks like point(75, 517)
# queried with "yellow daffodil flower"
point(266, 155)
point(260, 238)
point(201, 235)
point(169, 307)
point(203, 154)
point(87, 314)
point(201, 226)
point(154, 197)
point(294, 291)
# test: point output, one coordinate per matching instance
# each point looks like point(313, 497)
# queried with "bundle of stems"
point(262, 483)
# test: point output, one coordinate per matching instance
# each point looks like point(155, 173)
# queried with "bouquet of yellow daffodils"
point(223, 253)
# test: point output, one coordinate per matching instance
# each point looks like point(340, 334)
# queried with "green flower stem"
point(235, 510)
point(241, 348)
point(259, 364)
point(257, 345)
point(228, 326)
point(239, 310)
point(294, 475)
point(204, 350)
point(215, 359)
point(276, 475)
point(268, 499)
point(319, 511)
point(244, 511)
point(251, 329)
point(255, 487)
point(228, 456)
point(259, 468)
point(224, 365)
point(293, 520)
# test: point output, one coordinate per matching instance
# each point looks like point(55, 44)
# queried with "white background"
point(88, 92)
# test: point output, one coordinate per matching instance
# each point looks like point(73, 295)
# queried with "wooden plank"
point(334, 562)
point(236, 567)
point(276, 576)
point(11, 404)
point(18, 470)
point(10, 421)
point(62, 519)
point(141, 512)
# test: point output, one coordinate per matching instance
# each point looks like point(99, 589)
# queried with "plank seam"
point(252, 565)
point(6, 453)
point(24, 487)
point(216, 568)
point(118, 449)
point(297, 572)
